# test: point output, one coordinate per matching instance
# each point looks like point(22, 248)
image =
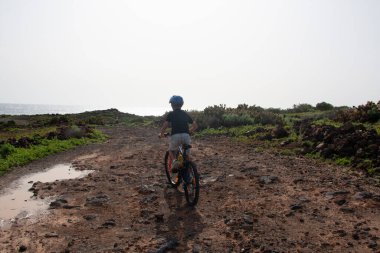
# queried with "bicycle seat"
point(186, 146)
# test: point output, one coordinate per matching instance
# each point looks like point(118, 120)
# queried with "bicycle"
point(187, 174)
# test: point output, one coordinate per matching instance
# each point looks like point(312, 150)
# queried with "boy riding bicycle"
point(179, 121)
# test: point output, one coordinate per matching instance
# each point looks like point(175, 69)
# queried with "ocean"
point(33, 109)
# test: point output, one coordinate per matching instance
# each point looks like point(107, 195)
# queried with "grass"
point(375, 126)
point(25, 132)
point(22, 156)
point(343, 161)
point(328, 122)
point(240, 131)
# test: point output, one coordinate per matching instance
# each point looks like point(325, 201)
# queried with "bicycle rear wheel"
point(191, 184)
point(173, 178)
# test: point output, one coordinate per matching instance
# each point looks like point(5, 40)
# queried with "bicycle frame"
point(187, 174)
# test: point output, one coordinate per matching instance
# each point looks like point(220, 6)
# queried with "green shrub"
point(323, 106)
point(6, 149)
point(95, 120)
point(59, 120)
point(344, 161)
point(302, 108)
point(370, 112)
point(268, 118)
point(233, 120)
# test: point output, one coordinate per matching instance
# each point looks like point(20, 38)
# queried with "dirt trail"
point(249, 202)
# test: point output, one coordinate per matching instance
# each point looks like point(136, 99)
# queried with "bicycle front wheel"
point(173, 178)
point(191, 184)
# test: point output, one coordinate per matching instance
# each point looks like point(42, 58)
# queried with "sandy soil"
point(249, 202)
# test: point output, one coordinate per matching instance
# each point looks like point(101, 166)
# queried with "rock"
point(268, 179)
point(355, 236)
point(298, 180)
point(248, 218)
point(108, 223)
point(321, 146)
point(128, 157)
point(289, 214)
point(285, 143)
point(146, 189)
point(170, 244)
point(159, 217)
point(327, 152)
point(372, 245)
point(148, 199)
point(22, 248)
point(279, 132)
point(197, 248)
point(51, 235)
point(265, 137)
point(69, 207)
point(363, 195)
point(341, 232)
point(331, 195)
point(90, 217)
point(57, 203)
point(303, 199)
point(347, 210)
point(98, 200)
point(249, 133)
point(296, 207)
point(249, 169)
point(340, 202)
point(144, 213)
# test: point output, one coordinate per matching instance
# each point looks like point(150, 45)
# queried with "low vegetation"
point(343, 135)
point(347, 136)
point(26, 138)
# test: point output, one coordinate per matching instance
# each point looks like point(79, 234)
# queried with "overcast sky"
point(271, 53)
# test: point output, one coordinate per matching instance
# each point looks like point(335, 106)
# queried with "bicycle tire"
point(173, 178)
point(192, 193)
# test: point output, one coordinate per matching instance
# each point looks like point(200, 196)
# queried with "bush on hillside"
point(59, 120)
point(370, 112)
point(233, 120)
point(302, 108)
point(5, 150)
point(323, 106)
point(8, 124)
point(268, 118)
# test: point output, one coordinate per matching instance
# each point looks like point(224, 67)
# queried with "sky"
point(137, 54)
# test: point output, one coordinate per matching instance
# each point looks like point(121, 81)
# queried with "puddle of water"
point(18, 202)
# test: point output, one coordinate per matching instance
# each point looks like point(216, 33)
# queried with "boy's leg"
point(173, 145)
point(187, 140)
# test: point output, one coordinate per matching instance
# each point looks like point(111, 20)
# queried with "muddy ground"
point(249, 202)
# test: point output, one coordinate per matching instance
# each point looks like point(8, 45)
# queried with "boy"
point(179, 121)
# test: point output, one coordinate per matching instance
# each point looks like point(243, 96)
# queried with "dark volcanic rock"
point(170, 244)
point(268, 179)
point(279, 132)
point(108, 223)
point(90, 217)
point(22, 248)
point(98, 200)
point(363, 195)
point(57, 203)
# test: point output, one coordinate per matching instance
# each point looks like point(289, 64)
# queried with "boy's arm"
point(163, 128)
point(194, 126)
